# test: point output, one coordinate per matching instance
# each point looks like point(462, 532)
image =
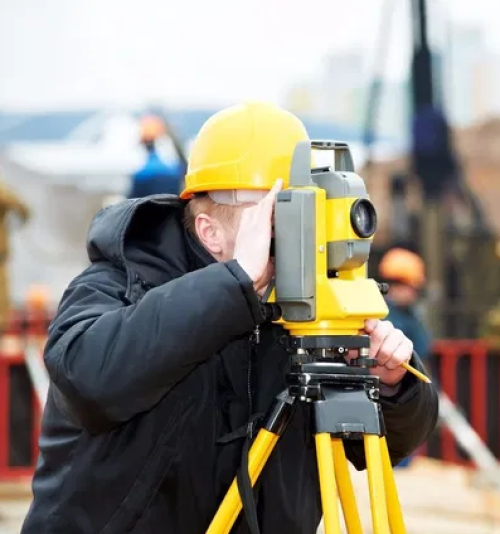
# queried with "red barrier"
point(24, 327)
point(31, 326)
point(447, 355)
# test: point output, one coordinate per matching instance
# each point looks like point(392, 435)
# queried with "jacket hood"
point(146, 238)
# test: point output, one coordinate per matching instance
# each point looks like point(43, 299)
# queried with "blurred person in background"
point(404, 271)
point(10, 203)
point(156, 176)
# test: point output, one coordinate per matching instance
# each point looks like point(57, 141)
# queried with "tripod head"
point(344, 393)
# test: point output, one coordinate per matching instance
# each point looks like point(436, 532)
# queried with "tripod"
point(345, 401)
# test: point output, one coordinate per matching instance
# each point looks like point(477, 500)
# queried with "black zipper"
point(254, 341)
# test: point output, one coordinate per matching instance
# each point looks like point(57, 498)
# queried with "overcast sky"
point(66, 53)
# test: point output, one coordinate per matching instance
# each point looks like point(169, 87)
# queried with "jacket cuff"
point(389, 391)
point(248, 291)
point(407, 388)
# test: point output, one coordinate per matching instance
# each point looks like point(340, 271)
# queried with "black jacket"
point(152, 360)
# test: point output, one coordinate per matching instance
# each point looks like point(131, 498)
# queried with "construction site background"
point(70, 146)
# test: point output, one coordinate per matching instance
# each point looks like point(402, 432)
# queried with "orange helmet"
point(151, 128)
point(404, 266)
point(38, 297)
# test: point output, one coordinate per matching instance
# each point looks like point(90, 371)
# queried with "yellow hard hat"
point(243, 147)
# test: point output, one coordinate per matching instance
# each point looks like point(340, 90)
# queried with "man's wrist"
point(247, 270)
point(248, 289)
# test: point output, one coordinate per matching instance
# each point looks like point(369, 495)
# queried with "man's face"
point(402, 294)
point(228, 230)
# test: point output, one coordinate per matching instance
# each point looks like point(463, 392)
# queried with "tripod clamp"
point(344, 395)
point(336, 348)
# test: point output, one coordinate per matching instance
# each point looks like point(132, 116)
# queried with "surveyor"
point(405, 272)
point(156, 176)
point(160, 355)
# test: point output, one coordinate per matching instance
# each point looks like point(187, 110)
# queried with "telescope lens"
point(363, 218)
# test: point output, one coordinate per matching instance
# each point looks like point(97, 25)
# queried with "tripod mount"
point(344, 397)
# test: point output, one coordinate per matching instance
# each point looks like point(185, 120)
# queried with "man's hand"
point(391, 348)
point(253, 240)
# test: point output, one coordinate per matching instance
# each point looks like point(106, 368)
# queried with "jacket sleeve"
point(410, 416)
point(109, 361)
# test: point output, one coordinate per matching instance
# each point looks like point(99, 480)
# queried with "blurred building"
point(336, 94)
point(339, 94)
point(395, 109)
point(342, 88)
point(471, 76)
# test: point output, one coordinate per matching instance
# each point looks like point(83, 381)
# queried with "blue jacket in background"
point(156, 177)
point(407, 320)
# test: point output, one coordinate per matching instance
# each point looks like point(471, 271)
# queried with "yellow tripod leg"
point(327, 483)
point(376, 484)
point(231, 506)
point(345, 488)
point(393, 505)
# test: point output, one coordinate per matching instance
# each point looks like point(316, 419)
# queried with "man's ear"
point(209, 233)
